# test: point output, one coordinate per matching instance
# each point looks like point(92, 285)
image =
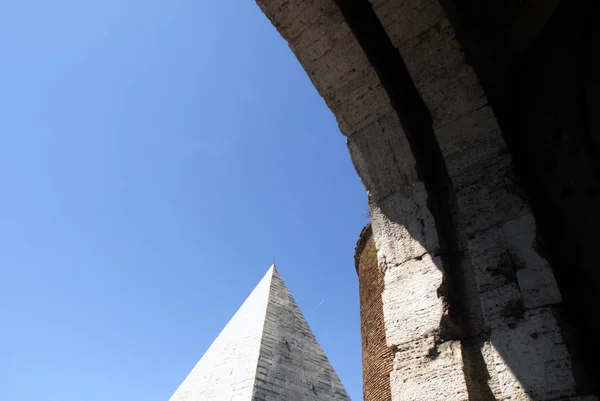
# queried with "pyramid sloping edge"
point(292, 366)
point(229, 365)
point(267, 352)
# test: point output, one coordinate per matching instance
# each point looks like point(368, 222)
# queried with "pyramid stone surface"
point(266, 352)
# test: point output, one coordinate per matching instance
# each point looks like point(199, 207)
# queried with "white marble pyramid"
point(266, 352)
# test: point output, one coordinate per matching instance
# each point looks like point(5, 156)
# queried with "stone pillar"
point(415, 305)
point(525, 352)
point(414, 302)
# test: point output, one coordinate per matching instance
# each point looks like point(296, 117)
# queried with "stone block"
point(448, 85)
point(511, 276)
point(293, 17)
point(343, 76)
point(382, 157)
point(412, 306)
point(495, 275)
point(492, 199)
point(502, 306)
point(405, 19)
point(433, 56)
point(356, 104)
point(492, 263)
point(426, 371)
point(470, 145)
point(470, 300)
point(536, 279)
point(531, 360)
point(453, 96)
point(403, 226)
point(323, 43)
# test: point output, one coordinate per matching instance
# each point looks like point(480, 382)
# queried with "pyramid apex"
point(268, 330)
point(272, 271)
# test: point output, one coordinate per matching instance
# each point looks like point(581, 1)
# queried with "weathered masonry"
point(475, 129)
point(377, 358)
point(267, 352)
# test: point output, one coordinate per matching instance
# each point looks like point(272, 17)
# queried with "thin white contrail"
point(319, 305)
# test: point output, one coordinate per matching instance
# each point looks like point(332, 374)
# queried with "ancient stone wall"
point(517, 292)
point(377, 358)
point(534, 59)
point(470, 304)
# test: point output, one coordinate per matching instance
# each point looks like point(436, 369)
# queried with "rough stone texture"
point(417, 312)
point(407, 19)
point(403, 227)
point(492, 208)
point(292, 366)
point(381, 153)
point(511, 275)
point(477, 135)
point(424, 371)
point(402, 223)
point(528, 363)
point(433, 57)
point(535, 60)
point(454, 95)
point(266, 352)
point(471, 313)
point(320, 38)
point(505, 284)
point(491, 199)
point(535, 278)
point(377, 357)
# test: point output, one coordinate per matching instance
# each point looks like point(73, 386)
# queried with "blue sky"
point(156, 156)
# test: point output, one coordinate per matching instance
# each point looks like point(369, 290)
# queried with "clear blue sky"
point(155, 156)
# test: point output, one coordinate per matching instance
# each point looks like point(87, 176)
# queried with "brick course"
point(377, 358)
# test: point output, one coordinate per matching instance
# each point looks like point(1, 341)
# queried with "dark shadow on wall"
point(529, 82)
point(545, 92)
point(418, 127)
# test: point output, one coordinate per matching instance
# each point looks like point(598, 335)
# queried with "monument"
point(267, 352)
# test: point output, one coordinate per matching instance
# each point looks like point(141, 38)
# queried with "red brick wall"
point(376, 356)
